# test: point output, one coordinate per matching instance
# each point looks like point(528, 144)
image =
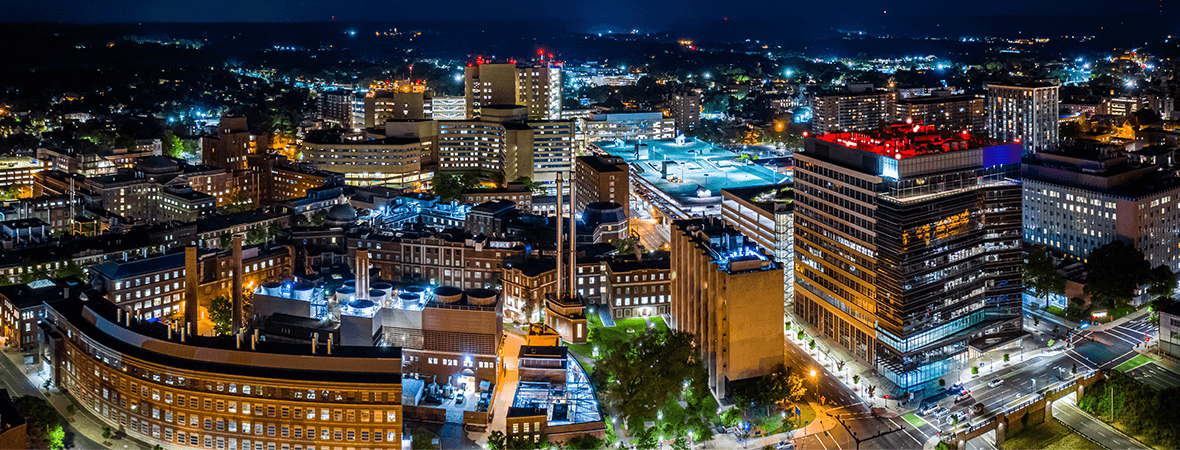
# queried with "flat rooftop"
point(906, 140)
point(691, 164)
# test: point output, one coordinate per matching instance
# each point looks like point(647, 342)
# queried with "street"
point(19, 385)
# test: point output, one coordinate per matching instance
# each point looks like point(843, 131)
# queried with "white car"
point(995, 382)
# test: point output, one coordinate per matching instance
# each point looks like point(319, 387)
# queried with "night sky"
point(574, 14)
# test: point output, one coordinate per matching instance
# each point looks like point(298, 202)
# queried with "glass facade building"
point(908, 246)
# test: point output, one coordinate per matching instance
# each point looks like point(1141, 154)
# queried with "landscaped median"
point(1050, 435)
point(1133, 363)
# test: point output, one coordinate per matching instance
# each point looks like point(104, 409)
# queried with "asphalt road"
point(19, 385)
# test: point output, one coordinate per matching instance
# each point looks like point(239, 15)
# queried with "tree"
point(106, 432)
point(221, 314)
point(1075, 369)
point(1163, 282)
point(639, 378)
point(871, 389)
point(1116, 270)
point(446, 187)
point(496, 440)
point(974, 370)
point(55, 437)
point(537, 189)
point(812, 345)
point(422, 439)
point(941, 382)
point(856, 379)
point(1041, 275)
point(584, 441)
point(1005, 357)
point(1036, 321)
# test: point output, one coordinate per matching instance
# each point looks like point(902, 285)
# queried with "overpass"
point(1031, 409)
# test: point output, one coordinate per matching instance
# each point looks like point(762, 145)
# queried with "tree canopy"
point(1041, 275)
point(641, 377)
point(1116, 270)
point(221, 314)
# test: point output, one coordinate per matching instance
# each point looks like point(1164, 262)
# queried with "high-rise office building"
point(535, 86)
point(908, 247)
point(860, 108)
point(1025, 113)
point(728, 293)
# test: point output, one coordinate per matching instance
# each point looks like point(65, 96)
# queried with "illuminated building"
point(766, 215)
point(20, 172)
point(335, 106)
point(450, 258)
point(228, 149)
point(450, 338)
point(637, 288)
point(602, 179)
point(22, 307)
point(383, 106)
point(908, 247)
point(860, 108)
point(1079, 199)
point(365, 158)
point(680, 178)
point(943, 111)
point(727, 293)
point(1120, 106)
point(281, 180)
point(155, 287)
point(513, 192)
point(502, 141)
point(161, 189)
point(1026, 113)
point(537, 87)
point(446, 107)
point(555, 397)
point(629, 126)
point(168, 388)
point(685, 109)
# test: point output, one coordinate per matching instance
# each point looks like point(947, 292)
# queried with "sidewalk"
point(822, 423)
point(87, 427)
point(827, 355)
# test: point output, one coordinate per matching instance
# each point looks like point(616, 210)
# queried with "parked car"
point(785, 445)
point(941, 411)
point(995, 382)
point(977, 409)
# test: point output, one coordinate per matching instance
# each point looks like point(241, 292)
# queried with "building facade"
point(641, 288)
point(944, 112)
point(908, 247)
point(855, 110)
point(1076, 200)
point(537, 87)
point(726, 292)
point(142, 379)
point(602, 179)
point(1025, 113)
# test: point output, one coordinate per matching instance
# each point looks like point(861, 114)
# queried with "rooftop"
point(690, 164)
point(907, 140)
point(148, 340)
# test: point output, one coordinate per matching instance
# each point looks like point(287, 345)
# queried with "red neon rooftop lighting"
point(906, 140)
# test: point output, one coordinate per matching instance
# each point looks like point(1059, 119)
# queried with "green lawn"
point(1121, 311)
point(604, 337)
point(914, 420)
point(1132, 363)
point(1050, 435)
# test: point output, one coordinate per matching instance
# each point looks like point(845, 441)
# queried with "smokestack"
point(573, 237)
point(560, 255)
point(315, 342)
point(362, 273)
point(169, 332)
point(191, 280)
point(237, 294)
point(329, 344)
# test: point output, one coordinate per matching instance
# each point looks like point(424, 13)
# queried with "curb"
point(1079, 433)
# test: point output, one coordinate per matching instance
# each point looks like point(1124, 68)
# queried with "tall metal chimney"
point(573, 269)
point(560, 275)
point(191, 279)
point(237, 294)
point(362, 273)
